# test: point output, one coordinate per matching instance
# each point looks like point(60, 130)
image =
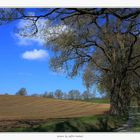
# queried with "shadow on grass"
point(85, 124)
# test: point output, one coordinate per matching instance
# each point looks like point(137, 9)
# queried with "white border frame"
point(70, 136)
point(68, 4)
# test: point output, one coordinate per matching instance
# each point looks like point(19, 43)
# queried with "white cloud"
point(35, 54)
point(45, 32)
point(24, 42)
point(25, 26)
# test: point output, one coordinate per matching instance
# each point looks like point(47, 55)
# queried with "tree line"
point(59, 94)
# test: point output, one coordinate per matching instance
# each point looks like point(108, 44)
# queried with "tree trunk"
point(119, 100)
point(119, 108)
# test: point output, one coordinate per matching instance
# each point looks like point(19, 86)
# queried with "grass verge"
point(100, 123)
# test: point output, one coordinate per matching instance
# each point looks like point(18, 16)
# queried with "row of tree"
point(59, 94)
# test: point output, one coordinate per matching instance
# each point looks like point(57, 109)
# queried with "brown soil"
point(21, 111)
point(33, 108)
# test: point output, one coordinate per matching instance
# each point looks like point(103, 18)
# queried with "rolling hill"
point(23, 107)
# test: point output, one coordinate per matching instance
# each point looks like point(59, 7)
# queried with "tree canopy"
point(22, 92)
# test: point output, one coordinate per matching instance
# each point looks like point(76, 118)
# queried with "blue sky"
point(17, 71)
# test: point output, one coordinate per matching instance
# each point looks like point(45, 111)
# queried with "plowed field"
point(32, 108)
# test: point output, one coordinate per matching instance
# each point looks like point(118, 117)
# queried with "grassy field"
point(99, 123)
point(99, 100)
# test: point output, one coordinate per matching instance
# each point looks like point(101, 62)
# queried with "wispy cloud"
point(24, 27)
point(35, 54)
point(45, 31)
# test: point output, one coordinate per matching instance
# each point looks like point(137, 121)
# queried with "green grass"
point(99, 100)
point(136, 127)
point(83, 124)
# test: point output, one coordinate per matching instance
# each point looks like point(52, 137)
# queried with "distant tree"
point(48, 95)
point(51, 94)
point(65, 96)
point(74, 94)
point(45, 95)
point(86, 95)
point(35, 95)
point(22, 92)
point(58, 94)
point(70, 95)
